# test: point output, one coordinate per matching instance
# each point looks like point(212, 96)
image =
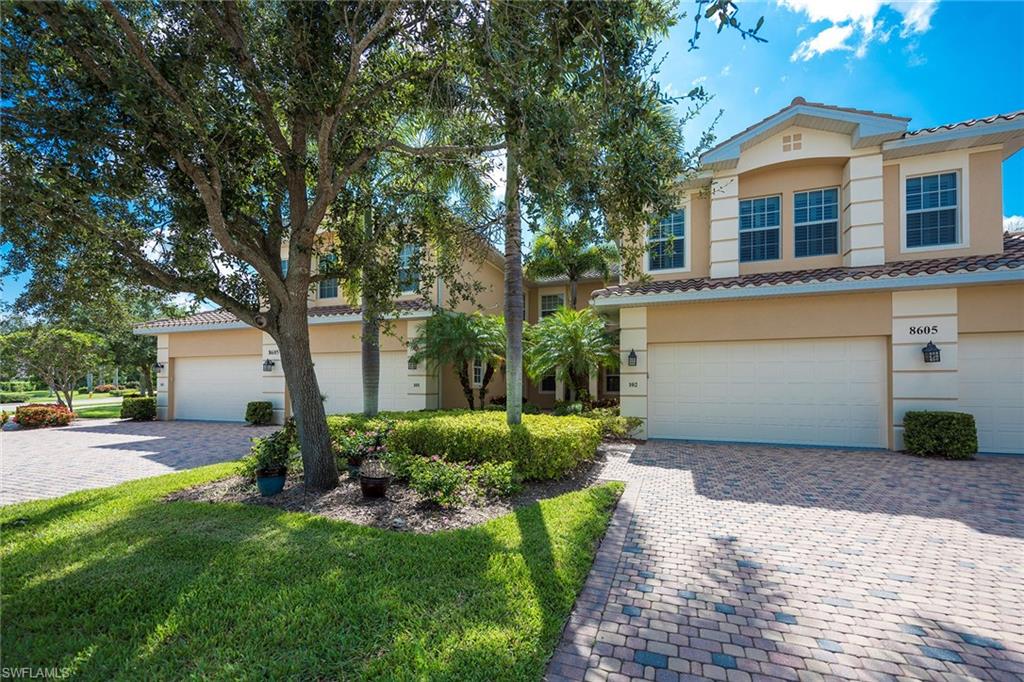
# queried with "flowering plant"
point(355, 446)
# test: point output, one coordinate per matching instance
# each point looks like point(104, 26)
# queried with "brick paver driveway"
point(96, 453)
point(754, 562)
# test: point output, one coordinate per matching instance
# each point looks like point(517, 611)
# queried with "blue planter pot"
point(271, 482)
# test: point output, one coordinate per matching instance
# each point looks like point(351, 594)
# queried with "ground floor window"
point(547, 384)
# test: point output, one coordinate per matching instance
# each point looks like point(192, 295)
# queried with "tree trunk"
point(68, 396)
point(572, 294)
point(145, 387)
point(371, 361)
point(467, 387)
point(292, 336)
point(513, 290)
point(488, 374)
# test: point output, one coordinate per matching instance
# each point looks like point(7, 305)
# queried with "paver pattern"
point(734, 562)
point(43, 463)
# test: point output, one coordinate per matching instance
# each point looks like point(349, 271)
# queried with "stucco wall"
point(991, 309)
point(785, 181)
point(207, 344)
point(346, 338)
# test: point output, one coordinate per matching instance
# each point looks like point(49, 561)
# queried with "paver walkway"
point(94, 453)
point(755, 562)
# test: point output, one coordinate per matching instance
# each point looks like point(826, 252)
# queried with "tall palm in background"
point(572, 345)
point(572, 251)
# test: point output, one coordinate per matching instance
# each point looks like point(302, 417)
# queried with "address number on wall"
point(922, 330)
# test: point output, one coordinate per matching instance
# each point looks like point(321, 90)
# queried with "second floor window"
point(932, 210)
point(408, 272)
point(549, 303)
point(759, 229)
point(329, 286)
point(666, 246)
point(816, 222)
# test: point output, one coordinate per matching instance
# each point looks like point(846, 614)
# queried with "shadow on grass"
point(157, 590)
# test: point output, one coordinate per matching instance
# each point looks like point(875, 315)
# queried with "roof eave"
point(237, 324)
point(1009, 133)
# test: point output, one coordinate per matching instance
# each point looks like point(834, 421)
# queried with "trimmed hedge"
point(138, 409)
point(36, 416)
point(259, 412)
point(952, 435)
point(14, 397)
point(543, 446)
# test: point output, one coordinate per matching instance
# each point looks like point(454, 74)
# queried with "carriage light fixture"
point(268, 365)
point(631, 358)
point(931, 352)
point(158, 367)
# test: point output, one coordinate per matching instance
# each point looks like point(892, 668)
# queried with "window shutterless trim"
point(541, 310)
point(958, 237)
point(681, 240)
point(759, 230)
point(835, 222)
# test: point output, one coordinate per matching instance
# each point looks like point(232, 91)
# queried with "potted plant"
point(357, 446)
point(374, 478)
point(272, 455)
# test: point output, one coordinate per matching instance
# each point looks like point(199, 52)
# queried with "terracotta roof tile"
point(1011, 258)
point(966, 124)
point(222, 316)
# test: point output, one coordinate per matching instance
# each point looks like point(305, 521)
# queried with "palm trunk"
point(513, 290)
point(488, 374)
point(292, 336)
point(572, 294)
point(467, 388)
point(371, 360)
point(145, 387)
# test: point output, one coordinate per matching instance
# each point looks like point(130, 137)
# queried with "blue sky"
point(936, 62)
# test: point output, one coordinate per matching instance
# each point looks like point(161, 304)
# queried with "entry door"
point(805, 391)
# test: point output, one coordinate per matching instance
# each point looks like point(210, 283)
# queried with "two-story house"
point(788, 299)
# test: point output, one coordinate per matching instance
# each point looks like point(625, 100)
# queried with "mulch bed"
point(403, 509)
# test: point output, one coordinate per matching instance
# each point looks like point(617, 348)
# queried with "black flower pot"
point(374, 486)
point(271, 481)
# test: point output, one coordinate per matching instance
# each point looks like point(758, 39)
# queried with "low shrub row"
point(14, 397)
point(16, 386)
point(542, 447)
point(453, 484)
point(952, 435)
point(138, 408)
point(259, 412)
point(37, 416)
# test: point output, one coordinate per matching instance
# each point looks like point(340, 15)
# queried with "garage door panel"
point(340, 376)
point(216, 388)
point(991, 377)
point(802, 391)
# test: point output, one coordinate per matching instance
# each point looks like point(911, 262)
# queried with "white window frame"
point(320, 284)
point(540, 304)
point(943, 162)
point(740, 232)
point(476, 373)
point(540, 385)
point(684, 207)
point(958, 242)
point(609, 373)
point(402, 255)
point(838, 221)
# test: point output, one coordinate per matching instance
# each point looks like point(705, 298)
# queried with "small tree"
point(570, 251)
point(61, 357)
point(458, 339)
point(572, 344)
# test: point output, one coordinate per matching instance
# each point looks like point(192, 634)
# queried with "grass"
point(108, 411)
point(114, 583)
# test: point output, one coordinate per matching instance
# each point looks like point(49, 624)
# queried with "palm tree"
point(572, 344)
point(458, 339)
point(570, 252)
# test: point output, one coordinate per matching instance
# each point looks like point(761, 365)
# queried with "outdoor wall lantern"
point(268, 365)
point(631, 358)
point(931, 352)
point(158, 367)
point(412, 363)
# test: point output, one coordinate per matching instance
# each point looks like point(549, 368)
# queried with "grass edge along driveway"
point(116, 583)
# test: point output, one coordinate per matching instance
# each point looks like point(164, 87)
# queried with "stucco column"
point(164, 395)
point(633, 379)
point(725, 226)
point(592, 383)
point(423, 391)
point(917, 318)
point(273, 381)
point(863, 238)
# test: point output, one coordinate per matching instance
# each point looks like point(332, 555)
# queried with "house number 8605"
point(926, 329)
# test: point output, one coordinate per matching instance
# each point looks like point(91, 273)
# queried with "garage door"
point(216, 388)
point(340, 376)
point(814, 392)
point(992, 388)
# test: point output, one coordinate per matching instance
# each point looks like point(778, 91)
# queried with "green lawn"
point(114, 583)
point(108, 411)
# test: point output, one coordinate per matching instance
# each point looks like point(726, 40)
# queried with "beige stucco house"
point(788, 299)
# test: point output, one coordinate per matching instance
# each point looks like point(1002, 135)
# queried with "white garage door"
point(340, 376)
point(992, 388)
point(814, 392)
point(216, 388)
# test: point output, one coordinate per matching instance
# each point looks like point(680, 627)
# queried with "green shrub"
point(259, 412)
point(400, 463)
point(530, 408)
point(138, 409)
point(104, 388)
point(15, 386)
point(543, 446)
point(279, 449)
point(82, 390)
point(491, 479)
point(612, 424)
point(952, 435)
point(564, 407)
point(439, 481)
point(4, 416)
point(36, 416)
point(14, 397)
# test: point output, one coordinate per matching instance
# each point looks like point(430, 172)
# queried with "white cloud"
point(1013, 223)
point(726, 70)
point(832, 38)
point(860, 17)
point(700, 80)
point(757, 89)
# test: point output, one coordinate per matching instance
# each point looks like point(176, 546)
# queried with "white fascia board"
point(224, 326)
point(957, 134)
point(804, 289)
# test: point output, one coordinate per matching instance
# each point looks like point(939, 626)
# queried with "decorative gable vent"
point(792, 143)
